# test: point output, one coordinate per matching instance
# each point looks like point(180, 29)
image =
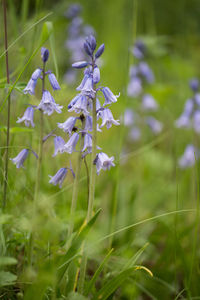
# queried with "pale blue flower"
point(87, 143)
point(103, 162)
point(189, 157)
point(48, 105)
point(30, 87)
point(149, 103)
point(107, 118)
point(154, 124)
point(134, 87)
point(59, 177)
point(128, 117)
point(70, 146)
point(59, 145)
point(68, 125)
point(196, 121)
point(80, 105)
point(27, 117)
point(146, 72)
point(87, 88)
point(36, 74)
point(44, 54)
point(53, 81)
point(20, 158)
point(109, 96)
point(96, 75)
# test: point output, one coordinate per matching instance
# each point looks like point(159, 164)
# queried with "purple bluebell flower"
point(80, 64)
point(91, 41)
point(48, 105)
point(96, 75)
point(53, 81)
point(134, 71)
point(20, 158)
point(73, 10)
point(154, 124)
point(149, 103)
point(100, 51)
point(104, 162)
point(109, 96)
point(44, 54)
point(134, 134)
point(194, 84)
point(27, 117)
point(70, 146)
point(70, 76)
point(146, 72)
point(196, 121)
point(197, 98)
point(128, 117)
point(59, 145)
point(183, 121)
point(68, 125)
point(139, 49)
point(87, 143)
point(36, 74)
point(107, 118)
point(73, 101)
point(59, 177)
point(134, 87)
point(80, 105)
point(87, 88)
point(30, 87)
point(88, 124)
point(189, 157)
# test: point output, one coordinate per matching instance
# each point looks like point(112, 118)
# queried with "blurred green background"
point(146, 181)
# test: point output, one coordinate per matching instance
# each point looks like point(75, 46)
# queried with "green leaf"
point(18, 87)
point(97, 273)
point(47, 30)
point(112, 285)
point(73, 249)
point(7, 261)
point(7, 278)
point(75, 296)
point(16, 129)
point(53, 47)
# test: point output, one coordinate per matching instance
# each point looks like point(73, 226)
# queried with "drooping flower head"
point(20, 158)
point(27, 117)
point(59, 177)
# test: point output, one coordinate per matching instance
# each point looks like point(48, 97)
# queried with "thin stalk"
point(91, 191)
point(76, 182)
point(8, 111)
point(38, 174)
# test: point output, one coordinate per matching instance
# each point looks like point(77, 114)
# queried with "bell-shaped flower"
point(189, 157)
point(188, 108)
point(20, 158)
point(194, 84)
point(88, 124)
point(149, 103)
point(87, 143)
point(197, 98)
point(128, 117)
point(107, 118)
point(44, 54)
point(68, 125)
point(134, 134)
point(134, 87)
point(36, 74)
point(109, 96)
point(53, 81)
point(96, 75)
point(87, 87)
point(30, 87)
point(59, 177)
point(183, 121)
point(48, 105)
point(196, 121)
point(139, 49)
point(102, 161)
point(70, 146)
point(27, 117)
point(59, 145)
point(154, 125)
point(146, 72)
point(80, 105)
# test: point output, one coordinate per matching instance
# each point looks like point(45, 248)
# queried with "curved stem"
point(76, 182)
point(8, 112)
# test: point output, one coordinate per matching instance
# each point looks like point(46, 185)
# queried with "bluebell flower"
point(183, 121)
point(27, 117)
point(73, 10)
point(68, 125)
point(189, 157)
point(149, 103)
point(96, 75)
point(80, 105)
point(87, 143)
point(30, 87)
point(48, 105)
point(128, 117)
point(102, 161)
point(70, 146)
point(73, 101)
point(59, 177)
point(134, 87)
point(80, 64)
point(87, 88)
point(44, 54)
point(196, 121)
point(146, 72)
point(36, 74)
point(59, 145)
point(134, 134)
point(194, 84)
point(91, 41)
point(88, 124)
point(107, 118)
point(139, 49)
point(20, 158)
point(100, 51)
point(197, 98)
point(53, 81)
point(154, 124)
point(109, 96)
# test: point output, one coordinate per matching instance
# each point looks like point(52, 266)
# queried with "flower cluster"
point(86, 107)
point(77, 31)
point(140, 75)
point(47, 104)
point(190, 118)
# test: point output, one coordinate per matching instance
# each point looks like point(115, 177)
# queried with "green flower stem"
point(76, 182)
